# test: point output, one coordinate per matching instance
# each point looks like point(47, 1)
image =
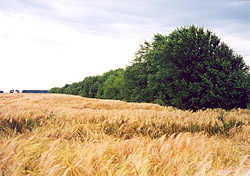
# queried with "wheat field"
point(50, 134)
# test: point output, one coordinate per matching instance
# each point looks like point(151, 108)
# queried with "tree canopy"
point(106, 86)
point(189, 69)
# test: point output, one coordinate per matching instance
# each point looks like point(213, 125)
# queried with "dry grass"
point(46, 134)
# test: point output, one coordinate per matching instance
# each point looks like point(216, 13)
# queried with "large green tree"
point(189, 69)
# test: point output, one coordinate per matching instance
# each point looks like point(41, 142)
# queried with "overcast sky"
point(48, 43)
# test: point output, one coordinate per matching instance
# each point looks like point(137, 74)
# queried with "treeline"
point(35, 91)
point(106, 86)
point(189, 69)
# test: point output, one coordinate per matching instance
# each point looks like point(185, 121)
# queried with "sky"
point(50, 43)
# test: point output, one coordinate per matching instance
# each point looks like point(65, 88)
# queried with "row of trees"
point(35, 91)
point(106, 86)
point(188, 69)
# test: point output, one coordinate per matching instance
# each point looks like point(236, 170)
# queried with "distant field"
point(48, 134)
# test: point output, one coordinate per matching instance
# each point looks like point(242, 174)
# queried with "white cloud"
point(235, 38)
point(41, 54)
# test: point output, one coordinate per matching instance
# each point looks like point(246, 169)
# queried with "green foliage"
point(145, 78)
point(112, 86)
point(159, 101)
point(189, 69)
point(90, 86)
point(108, 86)
point(55, 90)
point(135, 83)
point(206, 72)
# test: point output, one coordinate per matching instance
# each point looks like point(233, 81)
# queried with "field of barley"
point(49, 134)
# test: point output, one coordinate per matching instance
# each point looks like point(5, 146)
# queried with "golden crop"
point(48, 134)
